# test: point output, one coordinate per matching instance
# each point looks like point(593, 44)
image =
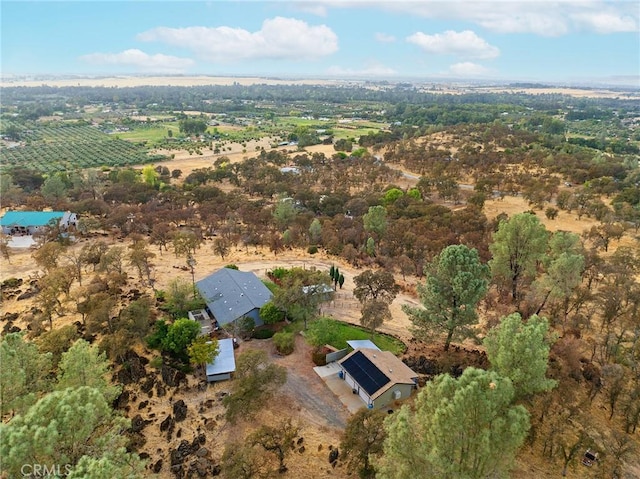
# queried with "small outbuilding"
point(31, 222)
point(362, 343)
point(378, 377)
point(224, 363)
point(231, 295)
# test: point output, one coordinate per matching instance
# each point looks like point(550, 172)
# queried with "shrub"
point(312, 249)
point(278, 273)
point(271, 286)
point(319, 357)
point(156, 362)
point(263, 333)
point(11, 283)
point(179, 336)
point(271, 314)
point(551, 213)
point(284, 342)
point(160, 330)
point(231, 266)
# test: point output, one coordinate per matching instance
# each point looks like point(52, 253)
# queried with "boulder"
point(157, 466)
point(138, 424)
point(133, 368)
point(148, 384)
point(333, 455)
point(122, 400)
point(202, 452)
point(179, 411)
point(172, 377)
point(167, 424)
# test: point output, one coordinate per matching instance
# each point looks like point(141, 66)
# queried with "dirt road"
point(305, 395)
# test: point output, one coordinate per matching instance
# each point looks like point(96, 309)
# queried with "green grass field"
point(356, 133)
point(346, 332)
point(149, 133)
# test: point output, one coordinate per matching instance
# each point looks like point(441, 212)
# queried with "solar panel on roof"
point(366, 374)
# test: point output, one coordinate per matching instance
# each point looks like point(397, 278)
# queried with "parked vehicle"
point(590, 458)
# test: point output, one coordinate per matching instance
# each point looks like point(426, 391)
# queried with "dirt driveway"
point(304, 393)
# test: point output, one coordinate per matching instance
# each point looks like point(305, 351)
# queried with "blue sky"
point(539, 40)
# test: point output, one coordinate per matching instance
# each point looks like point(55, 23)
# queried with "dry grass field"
point(318, 433)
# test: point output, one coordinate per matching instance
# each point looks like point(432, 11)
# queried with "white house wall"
point(364, 396)
point(353, 385)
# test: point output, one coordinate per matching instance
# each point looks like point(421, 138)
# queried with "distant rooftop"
point(29, 218)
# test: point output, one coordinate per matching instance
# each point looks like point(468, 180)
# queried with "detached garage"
point(378, 377)
point(224, 363)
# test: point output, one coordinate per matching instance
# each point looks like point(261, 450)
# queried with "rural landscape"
point(478, 248)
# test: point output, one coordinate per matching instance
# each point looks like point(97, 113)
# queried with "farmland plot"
point(66, 148)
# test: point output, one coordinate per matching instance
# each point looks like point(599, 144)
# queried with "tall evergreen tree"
point(62, 428)
point(465, 428)
point(520, 351)
point(23, 372)
point(456, 281)
point(518, 246)
point(84, 365)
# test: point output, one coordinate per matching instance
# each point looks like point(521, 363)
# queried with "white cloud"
point(371, 70)
point(312, 8)
point(139, 59)
point(468, 69)
point(384, 38)
point(606, 22)
point(463, 44)
point(541, 17)
point(279, 38)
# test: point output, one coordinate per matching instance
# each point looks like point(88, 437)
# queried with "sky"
point(562, 41)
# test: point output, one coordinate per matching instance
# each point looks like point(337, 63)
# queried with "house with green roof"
point(30, 222)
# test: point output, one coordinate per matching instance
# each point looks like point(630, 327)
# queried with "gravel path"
point(304, 392)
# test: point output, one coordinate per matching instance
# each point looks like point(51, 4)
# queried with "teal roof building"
point(29, 222)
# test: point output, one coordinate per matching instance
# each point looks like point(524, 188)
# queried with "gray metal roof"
point(231, 294)
point(362, 343)
point(225, 361)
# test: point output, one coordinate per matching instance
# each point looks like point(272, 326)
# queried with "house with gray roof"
point(231, 294)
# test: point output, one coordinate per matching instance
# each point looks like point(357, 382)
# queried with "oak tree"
point(256, 380)
point(362, 440)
